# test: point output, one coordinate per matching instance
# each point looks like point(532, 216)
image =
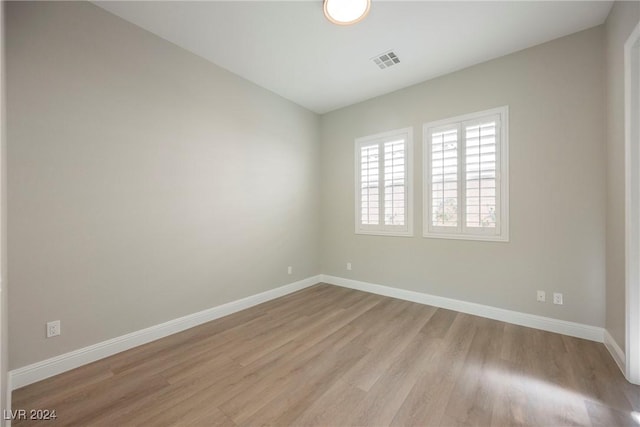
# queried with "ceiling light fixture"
point(346, 12)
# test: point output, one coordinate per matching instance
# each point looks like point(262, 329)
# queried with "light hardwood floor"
point(329, 356)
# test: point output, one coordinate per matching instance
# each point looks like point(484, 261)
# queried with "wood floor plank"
point(427, 401)
point(298, 363)
point(335, 406)
point(391, 339)
point(472, 399)
point(439, 324)
point(594, 374)
point(388, 394)
point(603, 415)
point(313, 382)
point(60, 387)
point(329, 356)
point(210, 416)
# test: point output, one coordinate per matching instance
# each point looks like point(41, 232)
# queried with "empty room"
point(320, 213)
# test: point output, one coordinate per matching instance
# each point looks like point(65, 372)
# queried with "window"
point(383, 183)
point(466, 177)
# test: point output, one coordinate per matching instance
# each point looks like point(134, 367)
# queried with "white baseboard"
point(615, 350)
point(56, 365)
point(564, 327)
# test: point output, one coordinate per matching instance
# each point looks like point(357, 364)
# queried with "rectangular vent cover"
point(386, 60)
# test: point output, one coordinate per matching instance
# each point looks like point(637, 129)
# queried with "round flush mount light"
point(346, 12)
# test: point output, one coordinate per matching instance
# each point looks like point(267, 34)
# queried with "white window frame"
point(461, 232)
point(381, 229)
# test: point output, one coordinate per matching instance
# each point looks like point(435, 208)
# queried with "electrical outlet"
point(348, 266)
point(289, 270)
point(53, 329)
point(557, 298)
point(542, 296)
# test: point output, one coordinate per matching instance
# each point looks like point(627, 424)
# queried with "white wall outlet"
point(289, 270)
point(349, 266)
point(53, 329)
point(557, 298)
point(542, 296)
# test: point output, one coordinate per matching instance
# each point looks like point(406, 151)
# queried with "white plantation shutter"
point(383, 195)
point(466, 171)
point(394, 183)
point(480, 173)
point(369, 184)
point(444, 178)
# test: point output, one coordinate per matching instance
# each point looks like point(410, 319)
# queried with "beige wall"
point(622, 20)
point(555, 93)
point(4, 309)
point(144, 183)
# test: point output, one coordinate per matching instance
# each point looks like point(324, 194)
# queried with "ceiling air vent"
point(386, 60)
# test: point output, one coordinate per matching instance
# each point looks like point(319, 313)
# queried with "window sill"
point(385, 233)
point(478, 237)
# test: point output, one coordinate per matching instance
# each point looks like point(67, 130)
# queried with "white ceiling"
point(292, 50)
